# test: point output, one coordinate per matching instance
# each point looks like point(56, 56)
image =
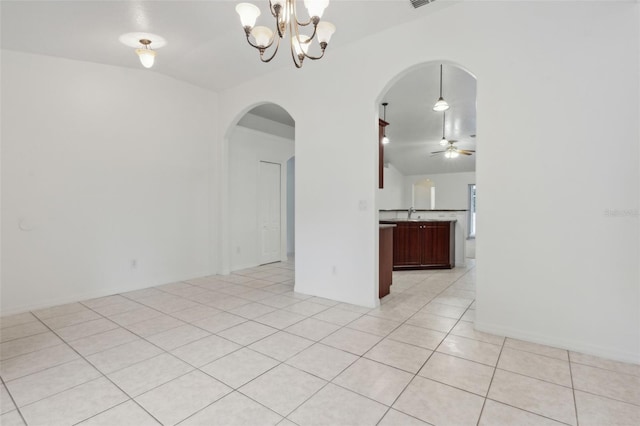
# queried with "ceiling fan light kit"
point(287, 22)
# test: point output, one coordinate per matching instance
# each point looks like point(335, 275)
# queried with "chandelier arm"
point(296, 59)
point(304, 24)
point(297, 37)
point(274, 52)
point(314, 58)
point(277, 13)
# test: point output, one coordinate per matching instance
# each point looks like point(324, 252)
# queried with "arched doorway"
point(260, 183)
point(438, 147)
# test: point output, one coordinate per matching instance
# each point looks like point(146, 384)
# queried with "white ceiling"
point(206, 47)
point(415, 129)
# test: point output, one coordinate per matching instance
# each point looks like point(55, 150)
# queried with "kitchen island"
point(461, 218)
point(423, 243)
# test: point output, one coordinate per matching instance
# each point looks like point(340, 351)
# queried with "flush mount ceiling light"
point(284, 11)
point(441, 104)
point(385, 139)
point(142, 43)
point(146, 54)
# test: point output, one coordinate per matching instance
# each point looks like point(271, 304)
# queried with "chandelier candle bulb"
point(316, 7)
point(248, 14)
point(325, 30)
point(262, 35)
point(301, 45)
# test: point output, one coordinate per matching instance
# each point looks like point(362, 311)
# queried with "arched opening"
point(429, 163)
point(260, 190)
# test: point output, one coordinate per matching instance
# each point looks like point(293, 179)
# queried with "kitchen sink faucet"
point(410, 212)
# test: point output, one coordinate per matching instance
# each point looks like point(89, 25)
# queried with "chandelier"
point(287, 22)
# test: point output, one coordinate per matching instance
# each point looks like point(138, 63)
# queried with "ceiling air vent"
point(418, 3)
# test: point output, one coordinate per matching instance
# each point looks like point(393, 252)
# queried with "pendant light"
point(441, 104)
point(385, 139)
point(443, 141)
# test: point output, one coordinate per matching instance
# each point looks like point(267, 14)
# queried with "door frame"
point(281, 214)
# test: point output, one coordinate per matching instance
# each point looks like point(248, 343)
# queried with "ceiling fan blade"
point(437, 152)
point(464, 152)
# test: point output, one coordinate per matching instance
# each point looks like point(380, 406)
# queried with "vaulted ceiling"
point(206, 47)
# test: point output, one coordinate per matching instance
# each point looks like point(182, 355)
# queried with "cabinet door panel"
point(435, 244)
point(407, 245)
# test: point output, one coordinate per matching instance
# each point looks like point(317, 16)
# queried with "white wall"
point(392, 195)
point(101, 166)
point(452, 189)
point(570, 277)
point(291, 206)
point(265, 125)
point(247, 148)
point(93, 190)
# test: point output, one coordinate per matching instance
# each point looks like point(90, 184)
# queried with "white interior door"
point(269, 212)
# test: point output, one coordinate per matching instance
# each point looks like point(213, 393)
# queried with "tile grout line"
point(360, 356)
point(432, 352)
point(100, 372)
point(13, 401)
point(490, 383)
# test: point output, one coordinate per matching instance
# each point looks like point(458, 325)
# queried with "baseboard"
point(568, 344)
point(69, 299)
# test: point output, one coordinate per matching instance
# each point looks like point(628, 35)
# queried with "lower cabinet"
point(424, 245)
point(386, 260)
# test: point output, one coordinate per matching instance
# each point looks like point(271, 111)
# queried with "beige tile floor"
point(245, 349)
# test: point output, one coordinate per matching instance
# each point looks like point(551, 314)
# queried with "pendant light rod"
point(385, 139)
point(443, 141)
point(441, 104)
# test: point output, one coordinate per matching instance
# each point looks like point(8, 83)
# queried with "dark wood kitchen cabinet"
point(386, 260)
point(423, 245)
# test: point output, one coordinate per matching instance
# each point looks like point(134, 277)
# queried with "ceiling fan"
point(452, 151)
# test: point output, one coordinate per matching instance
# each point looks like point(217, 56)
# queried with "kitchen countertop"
point(384, 221)
point(422, 210)
point(387, 225)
